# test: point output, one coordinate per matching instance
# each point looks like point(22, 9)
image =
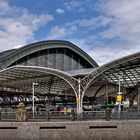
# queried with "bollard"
point(72, 116)
point(108, 114)
point(47, 115)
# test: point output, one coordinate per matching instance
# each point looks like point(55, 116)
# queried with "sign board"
point(65, 109)
point(119, 98)
point(77, 100)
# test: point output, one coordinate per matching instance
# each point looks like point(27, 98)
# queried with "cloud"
point(79, 42)
point(95, 21)
point(126, 20)
point(119, 24)
point(59, 32)
point(18, 26)
point(111, 34)
point(78, 27)
point(82, 5)
point(60, 11)
point(75, 6)
point(103, 55)
point(18, 46)
point(122, 36)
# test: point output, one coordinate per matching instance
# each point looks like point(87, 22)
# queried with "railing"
point(37, 115)
point(53, 115)
point(60, 115)
point(8, 116)
point(86, 115)
point(93, 115)
point(125, 115)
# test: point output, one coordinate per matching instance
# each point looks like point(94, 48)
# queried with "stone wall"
point(102, 130)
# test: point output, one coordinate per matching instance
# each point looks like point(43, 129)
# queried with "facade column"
point(138, 98)
point(79, 98)
point(81, 103)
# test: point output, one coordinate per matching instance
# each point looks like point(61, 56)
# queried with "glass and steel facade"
point(62, 68)
point(62, 59)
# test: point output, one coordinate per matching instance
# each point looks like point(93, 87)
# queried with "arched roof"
point(10, 58)
point(23, 76)
point(6, 53)
point(127, 68)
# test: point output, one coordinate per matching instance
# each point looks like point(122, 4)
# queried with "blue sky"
point(105, 29)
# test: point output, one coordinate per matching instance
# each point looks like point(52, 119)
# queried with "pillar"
point(79, 99)
point(138, 98)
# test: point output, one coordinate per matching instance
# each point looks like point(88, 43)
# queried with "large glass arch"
point(80, 58)
point(62, 59)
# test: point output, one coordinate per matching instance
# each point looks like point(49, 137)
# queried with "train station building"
point(59, 69)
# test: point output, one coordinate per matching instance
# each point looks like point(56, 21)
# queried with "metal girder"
point(7, 99)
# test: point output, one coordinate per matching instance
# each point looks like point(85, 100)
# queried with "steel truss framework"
point(11, 98)
point(13, 76)
point(20, 79)
point(128, 68)
point(53, 81)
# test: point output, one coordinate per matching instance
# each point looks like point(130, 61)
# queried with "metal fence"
point(37, 115)
point(125, 115)
point(93, 115)
point(86, 115)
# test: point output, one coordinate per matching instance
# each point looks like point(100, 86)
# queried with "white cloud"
point(58, 32)
point(95, 21)
point(76, 6)
point(82, 5)
point(103, 55)
point(124, 28)
point(126, 20)
point(79, 42)
point(18, 46)
point(122, 32)
point(17, 25)
point(120, 38)
point(60, 11)
point(118, 34)
point(75, 27)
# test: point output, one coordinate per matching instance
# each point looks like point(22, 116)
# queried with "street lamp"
point(33, 90)
point(119, 98)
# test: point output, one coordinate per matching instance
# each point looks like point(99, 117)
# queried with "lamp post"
point(119, 98)
point(33, 91)
point(106, 96)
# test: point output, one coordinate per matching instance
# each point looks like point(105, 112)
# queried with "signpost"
point(33, 88)
point(119, 99)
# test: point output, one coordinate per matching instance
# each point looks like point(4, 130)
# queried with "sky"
point(105, 29)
